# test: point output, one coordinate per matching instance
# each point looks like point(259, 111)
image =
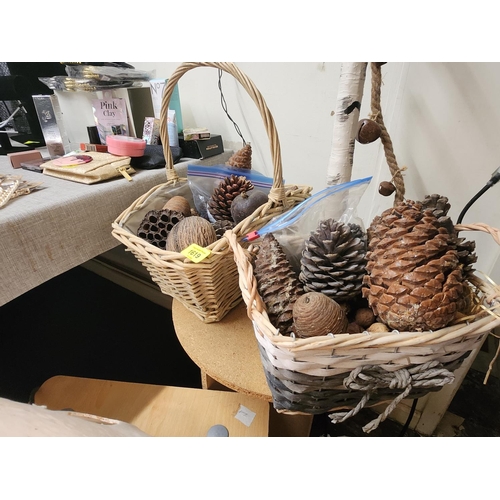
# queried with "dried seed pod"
point(316, 314)
point(354, 328)
point(179, 204)
point(219, 205)
point(156, 226)
point(191, 230)
point(246, 203)
point(364, 317)
point(377, 328)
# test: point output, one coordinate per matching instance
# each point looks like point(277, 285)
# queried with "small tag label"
point(196, 253)
point(245, 415)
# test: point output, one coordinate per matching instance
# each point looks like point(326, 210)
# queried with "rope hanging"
point(376, 116)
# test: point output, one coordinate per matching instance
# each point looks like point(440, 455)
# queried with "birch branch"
point(349, 97)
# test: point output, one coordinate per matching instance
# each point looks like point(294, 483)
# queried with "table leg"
point(206, 380)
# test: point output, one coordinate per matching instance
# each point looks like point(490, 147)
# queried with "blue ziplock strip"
point(295, 213)
point(222, 171)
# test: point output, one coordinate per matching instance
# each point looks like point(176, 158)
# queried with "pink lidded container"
point(124, 145)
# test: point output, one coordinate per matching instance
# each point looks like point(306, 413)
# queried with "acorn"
point(316, 314)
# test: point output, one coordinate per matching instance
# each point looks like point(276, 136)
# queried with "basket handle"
point(277, 193)
point(479, 226)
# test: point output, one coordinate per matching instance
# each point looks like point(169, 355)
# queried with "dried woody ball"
point(191, 230)
point(179, 204)
point(315, 314)
point(246, 203)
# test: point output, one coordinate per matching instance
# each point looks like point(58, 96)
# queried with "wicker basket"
point(346, 372)
point(209, 288)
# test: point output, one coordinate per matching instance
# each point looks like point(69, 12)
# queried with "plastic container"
point(124, 145)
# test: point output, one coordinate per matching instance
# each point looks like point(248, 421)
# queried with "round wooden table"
point(228, 355)
point(226, 351)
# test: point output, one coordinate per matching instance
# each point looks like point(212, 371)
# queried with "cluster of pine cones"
point(409, 272)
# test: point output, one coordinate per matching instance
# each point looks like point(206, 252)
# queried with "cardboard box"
point(202, 148)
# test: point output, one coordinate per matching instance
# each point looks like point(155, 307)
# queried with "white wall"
point(443, 118)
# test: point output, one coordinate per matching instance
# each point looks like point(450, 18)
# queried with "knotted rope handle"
point(373, 377)
point(277, 194)
point(376, 116)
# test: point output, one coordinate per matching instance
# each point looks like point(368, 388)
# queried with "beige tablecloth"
point(64, 224)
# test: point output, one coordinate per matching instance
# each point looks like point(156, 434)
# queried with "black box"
point(202, 148)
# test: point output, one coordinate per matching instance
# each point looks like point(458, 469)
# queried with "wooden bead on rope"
point(386, 188)
point(368, 131)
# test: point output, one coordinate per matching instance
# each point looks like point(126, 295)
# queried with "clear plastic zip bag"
point(294, 227)
point(203, 180)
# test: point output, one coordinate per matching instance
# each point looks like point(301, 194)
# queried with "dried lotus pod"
point(156, 226)
point(179, 204)
point(315, 314)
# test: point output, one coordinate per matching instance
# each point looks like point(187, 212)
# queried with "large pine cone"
point(228, 189)
point(466, 248)
point(414, 277)
point(334, 260)
point(242, 158)
point(277, 283)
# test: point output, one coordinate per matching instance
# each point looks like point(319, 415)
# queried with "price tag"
point(196, 253)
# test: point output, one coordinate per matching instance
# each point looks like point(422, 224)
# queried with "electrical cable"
point(224, 107)
point(495, 177)
point(408, 420)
